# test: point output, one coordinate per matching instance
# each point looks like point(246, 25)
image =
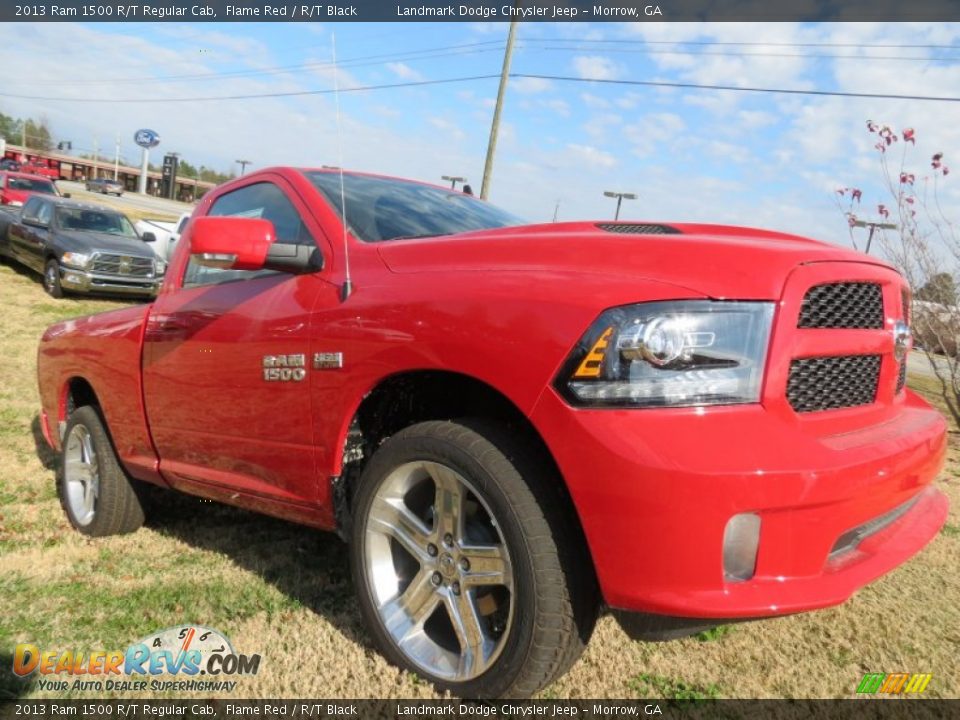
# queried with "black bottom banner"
point(469, 710)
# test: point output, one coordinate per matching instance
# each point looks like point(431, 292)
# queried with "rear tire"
point(506, 604)
point(51, 279)
point(95, 492)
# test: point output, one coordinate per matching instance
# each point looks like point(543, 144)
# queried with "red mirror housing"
point(231, 243)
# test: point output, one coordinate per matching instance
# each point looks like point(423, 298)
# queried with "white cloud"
point(591, 156)
point(596, 67)
point(530, 85)
point(404, 71)
point(558, 107)
point(593, 101)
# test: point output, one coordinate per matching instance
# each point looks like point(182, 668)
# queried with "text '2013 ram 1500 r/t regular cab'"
point(512, 425)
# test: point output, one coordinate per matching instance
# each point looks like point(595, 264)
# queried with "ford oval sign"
point(146, 138)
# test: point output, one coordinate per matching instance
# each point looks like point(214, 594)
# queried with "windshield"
point(88, 220)
point(388, 209)
point(31, 185)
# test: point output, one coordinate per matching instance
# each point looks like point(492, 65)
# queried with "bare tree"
point(925, 247)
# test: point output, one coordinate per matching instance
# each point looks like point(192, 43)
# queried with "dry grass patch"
point(284, 591)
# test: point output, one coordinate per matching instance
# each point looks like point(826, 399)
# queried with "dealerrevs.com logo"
point(179, 659)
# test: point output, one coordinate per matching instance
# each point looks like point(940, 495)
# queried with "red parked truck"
point(514, 426)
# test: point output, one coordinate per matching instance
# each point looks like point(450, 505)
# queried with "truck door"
point(28, 238)
point(226, 425)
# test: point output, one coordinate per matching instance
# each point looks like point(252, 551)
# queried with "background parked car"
point(166, 234)
point(16, 187)
point(107, 186)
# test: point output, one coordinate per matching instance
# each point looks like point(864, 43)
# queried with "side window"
point(31, 209)
point(45, 213)
point(261, 200)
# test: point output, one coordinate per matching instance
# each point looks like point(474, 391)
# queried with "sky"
point(743, 158)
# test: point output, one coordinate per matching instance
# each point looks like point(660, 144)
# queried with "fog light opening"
point(741, 540)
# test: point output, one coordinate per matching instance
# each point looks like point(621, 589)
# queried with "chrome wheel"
point(50, 278)
point(81, 475)
point(439, 571)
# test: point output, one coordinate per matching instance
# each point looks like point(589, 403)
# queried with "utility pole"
point(96, 157)
point(556, 211)
point(243, 165)
point(620, 196)
point(873, 227)
point(116, 160)
point(453, 180)
point(495, 125)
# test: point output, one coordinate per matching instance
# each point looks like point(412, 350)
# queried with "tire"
point(51, 279)
point(95, 492)
point(533, 618)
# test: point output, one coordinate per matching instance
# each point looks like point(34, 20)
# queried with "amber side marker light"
point(590, 367)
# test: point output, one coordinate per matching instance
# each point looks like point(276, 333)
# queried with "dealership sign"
point(146, 138)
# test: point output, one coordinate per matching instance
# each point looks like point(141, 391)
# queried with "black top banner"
point(480, 10)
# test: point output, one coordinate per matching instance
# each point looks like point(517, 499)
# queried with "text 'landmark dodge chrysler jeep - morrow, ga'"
point(513, 425)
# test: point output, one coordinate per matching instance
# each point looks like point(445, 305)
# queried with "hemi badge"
point(328, 361)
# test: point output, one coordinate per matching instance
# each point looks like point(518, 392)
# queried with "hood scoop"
point(638, 229)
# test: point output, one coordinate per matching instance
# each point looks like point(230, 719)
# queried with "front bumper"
point(83, 281)
point(655, 490)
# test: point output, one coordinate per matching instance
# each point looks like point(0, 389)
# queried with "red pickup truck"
point(514, 426)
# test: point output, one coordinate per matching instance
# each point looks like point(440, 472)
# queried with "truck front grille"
point(902, 375)
point(828, 383)
point(852, 305)
point(114, 264)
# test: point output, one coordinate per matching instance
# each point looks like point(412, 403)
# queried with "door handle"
point(169, 323)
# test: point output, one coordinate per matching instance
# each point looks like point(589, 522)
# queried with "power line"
point(531, 44)
point(735, 88)
point(472, 78)
point(252, 96)
point(408, 55)
point(810, 56)
point(756, 43)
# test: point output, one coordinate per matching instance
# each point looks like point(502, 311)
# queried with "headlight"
point(159, 267)
point(78, 260)
point(671, 354)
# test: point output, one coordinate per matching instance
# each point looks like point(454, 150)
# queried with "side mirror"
point(234, 243)
point(66, 195)
point(148, 237)
point(231, 243)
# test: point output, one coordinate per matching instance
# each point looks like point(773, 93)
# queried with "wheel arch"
point(78, 392)
point(403, 399)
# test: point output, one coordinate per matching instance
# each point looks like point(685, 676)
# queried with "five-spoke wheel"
point(97, 495)
point(462, 557)
point(439, 571)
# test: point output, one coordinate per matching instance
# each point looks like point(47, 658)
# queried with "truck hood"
point(714, 260)
point(90, 242)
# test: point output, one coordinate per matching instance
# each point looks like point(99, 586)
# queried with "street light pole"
point(620, 196)
point(243, 165)
point(873, 227)
point(453, 180)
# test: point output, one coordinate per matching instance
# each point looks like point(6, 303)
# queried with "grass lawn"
point(284, 591)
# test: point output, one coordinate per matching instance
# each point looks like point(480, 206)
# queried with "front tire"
point(95, 492)
point(51, 279)
point(461, 559)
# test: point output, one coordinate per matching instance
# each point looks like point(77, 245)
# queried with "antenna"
point(347, 288)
